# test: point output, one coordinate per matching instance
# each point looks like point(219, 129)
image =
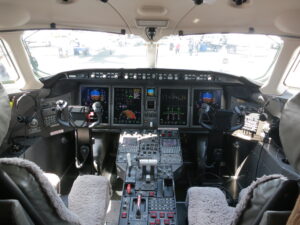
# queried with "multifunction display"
point(173, 107)
point(210, 97)
point(89, 95)
point(127, 106)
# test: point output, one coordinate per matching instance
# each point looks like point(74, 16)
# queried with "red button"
point(124, 214)
point(162, 215)
point(170, 215)
point(166, 221)
point(153, 215)
point(151, 193)
point(128, 189)
point(157, 221)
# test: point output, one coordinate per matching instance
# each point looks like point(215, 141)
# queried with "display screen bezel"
point(188, 108)
point(154, 92)
point(193, 98)
point(109, 99)
point(113, 107)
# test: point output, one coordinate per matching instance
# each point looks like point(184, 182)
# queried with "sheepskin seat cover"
point(5, 113)
point(208, 206)
point(89, 199)
point(28, 177)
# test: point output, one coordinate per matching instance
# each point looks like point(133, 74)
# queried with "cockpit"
point(149, 113)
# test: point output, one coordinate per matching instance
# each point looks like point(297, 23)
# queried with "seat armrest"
point(89, 199)
point(275, 217)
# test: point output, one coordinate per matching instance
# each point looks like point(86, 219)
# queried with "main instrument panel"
point(127, 107)
point(150, 106)
point(173, 107)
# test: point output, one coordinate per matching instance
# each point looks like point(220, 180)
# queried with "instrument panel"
point(150, 106)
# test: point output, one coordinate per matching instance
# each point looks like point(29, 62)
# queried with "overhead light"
point(152, 23)
point(152, 10)
point(196, 20)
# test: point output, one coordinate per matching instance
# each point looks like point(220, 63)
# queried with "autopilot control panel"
point(148, 162)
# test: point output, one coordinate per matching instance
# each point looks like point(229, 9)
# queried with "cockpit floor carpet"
point(113, 211)
point(181, 213)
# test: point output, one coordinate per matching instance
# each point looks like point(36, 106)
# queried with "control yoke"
point(220, 119)
point(79, 116)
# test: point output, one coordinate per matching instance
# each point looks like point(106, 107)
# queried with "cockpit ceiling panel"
point(265, 16)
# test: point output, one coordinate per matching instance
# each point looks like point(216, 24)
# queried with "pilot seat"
point(268, 197)
point(27, 197)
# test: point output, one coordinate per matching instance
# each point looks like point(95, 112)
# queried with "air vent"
point(66, 2)
point(241, 3)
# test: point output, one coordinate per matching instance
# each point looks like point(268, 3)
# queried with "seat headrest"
point(289, 130)
point(5, 113)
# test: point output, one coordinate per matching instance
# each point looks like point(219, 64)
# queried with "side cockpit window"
point(8, 72)
point(293, 77)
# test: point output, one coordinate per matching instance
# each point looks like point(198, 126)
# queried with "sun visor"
point(289, 130)
point(5, 113)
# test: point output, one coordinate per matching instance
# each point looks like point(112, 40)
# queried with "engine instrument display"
point(89, 95)
point(211, 97)
point(127, 106)
point(173, 107)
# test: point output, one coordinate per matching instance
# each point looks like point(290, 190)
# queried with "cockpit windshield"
point(249, 55)
point(54, 51)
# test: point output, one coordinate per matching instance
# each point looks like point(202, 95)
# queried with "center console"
point(148, 162)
